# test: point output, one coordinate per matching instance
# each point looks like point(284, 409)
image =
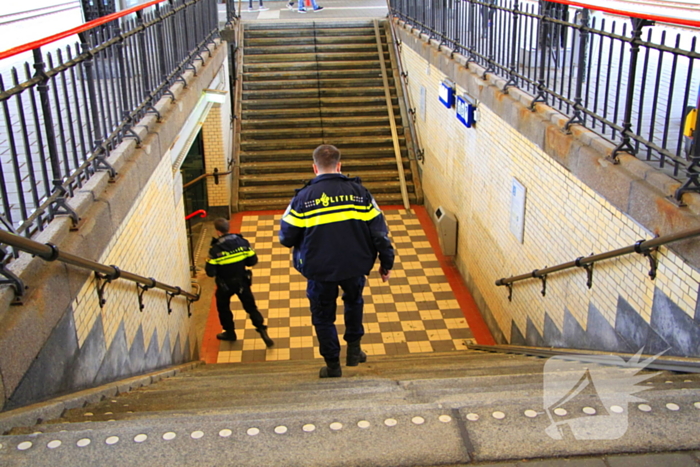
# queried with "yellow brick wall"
point(215, 153)
point(151, 242)
point(469, 172)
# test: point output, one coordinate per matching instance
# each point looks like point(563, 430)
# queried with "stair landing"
point(423, 308)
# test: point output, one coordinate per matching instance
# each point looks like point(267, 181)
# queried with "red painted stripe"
point(82, 28)
point(658, 18)
point(476, 323)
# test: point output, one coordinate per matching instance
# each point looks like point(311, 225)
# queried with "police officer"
point(228, 257)
point(336, 231)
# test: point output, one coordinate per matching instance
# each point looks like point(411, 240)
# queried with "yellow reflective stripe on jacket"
point(330, 215)
point(232, 257)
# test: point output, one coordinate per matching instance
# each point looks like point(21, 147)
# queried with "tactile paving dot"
point(530, 413)
point(498, 415)
point(112, 440)
point(197, 434)
point(280, 430)
point(445, 418)
point(472, 417)
point(616, 409)
point(644, 407)
point(169, 436)
point(363, 424)
point(335, 426)
point(390, 422)
point(225, 433)
point(308, 428)
point(418, 420)
point(140, 438)
point(673, 407)
point(588, 410)
point(23, 446)
point(83, 442)
point(559, 411)
point(53, 444)
point(253, 431)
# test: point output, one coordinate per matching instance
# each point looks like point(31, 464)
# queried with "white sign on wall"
point(517, 209)
point(422, 103)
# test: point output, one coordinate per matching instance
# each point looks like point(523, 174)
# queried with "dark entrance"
point(194, 193)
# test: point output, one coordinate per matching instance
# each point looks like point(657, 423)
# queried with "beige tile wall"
point(469, 172)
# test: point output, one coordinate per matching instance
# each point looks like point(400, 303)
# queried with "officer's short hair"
point(326, 156)
point(221, 225)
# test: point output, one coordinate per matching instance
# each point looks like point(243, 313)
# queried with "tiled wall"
point(469, 172)
point(215, 155)
point(152, 243)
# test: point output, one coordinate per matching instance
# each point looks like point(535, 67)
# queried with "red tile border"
point(476, 323)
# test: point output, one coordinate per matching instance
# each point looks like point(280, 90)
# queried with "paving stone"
point(654, 460)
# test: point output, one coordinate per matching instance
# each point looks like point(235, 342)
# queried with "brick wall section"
point(151, 242)
point(215, 156)
point(570, 211)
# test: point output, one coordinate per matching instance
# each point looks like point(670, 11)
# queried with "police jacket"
point(336, 230)
point(228, 257)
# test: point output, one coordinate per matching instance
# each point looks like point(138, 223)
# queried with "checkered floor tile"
point(416, 311)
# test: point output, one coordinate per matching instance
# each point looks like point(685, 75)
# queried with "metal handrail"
point(643, 247)
point(50, 252)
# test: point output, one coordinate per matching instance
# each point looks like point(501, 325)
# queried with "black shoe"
point(331, 370)
point(227, 336)
point(355, 354)
point(316, 10)
point(265, 337)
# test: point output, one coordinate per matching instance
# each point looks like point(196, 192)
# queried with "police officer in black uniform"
point(336, 231)
point(228, 257)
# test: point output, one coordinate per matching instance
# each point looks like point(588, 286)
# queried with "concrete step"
point(312, 57)
point(323, 103)
point(311, 143)
point(261, 204)
point(303, 155)
point(311, 46)
point(265, 124)
point(312, 74)
point(344, 112)
point(349, 165)
point(287, 189)
point(324, 65)
point(264, 180)
point(309, 39)
point(314, 130)
point(317, 83)
point(279, 95)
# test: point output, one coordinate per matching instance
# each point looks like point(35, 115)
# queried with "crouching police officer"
point(336, 231)
point(228, 257)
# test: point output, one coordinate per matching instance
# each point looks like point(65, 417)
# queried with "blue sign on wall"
point(465, 110)
point(447, 94)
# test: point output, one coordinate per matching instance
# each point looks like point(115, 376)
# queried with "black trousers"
point(322, 298)
point(245, 295)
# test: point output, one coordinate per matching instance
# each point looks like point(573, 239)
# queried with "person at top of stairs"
point(302, 8)
point(336, 231)
point(260, 8)
point(228, 257)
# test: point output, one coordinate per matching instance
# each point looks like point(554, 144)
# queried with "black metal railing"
point(647, 248)
point(631, 83)
point(104, 274)
point(64, 113)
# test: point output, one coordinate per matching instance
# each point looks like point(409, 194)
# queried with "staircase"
point(419, 410)
point(307, 84)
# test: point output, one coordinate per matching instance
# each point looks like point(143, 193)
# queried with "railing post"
point(513, 81)
point(576, 119)
point(543, 33)
point(59, 206)
point(625, 145)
